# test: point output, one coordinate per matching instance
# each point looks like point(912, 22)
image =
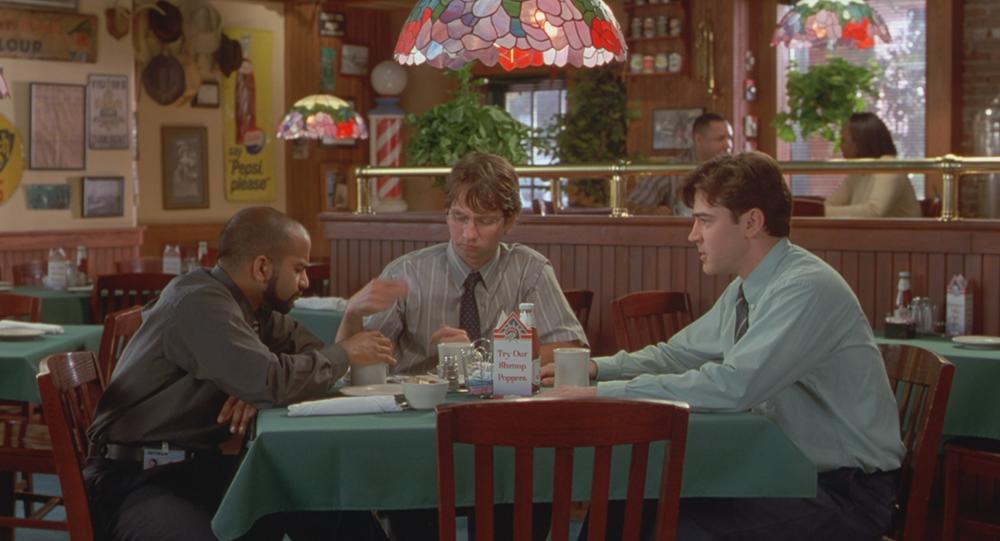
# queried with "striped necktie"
point(742, 312)
point(468, 313)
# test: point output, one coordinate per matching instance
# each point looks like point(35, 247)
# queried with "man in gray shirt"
point(216, 345)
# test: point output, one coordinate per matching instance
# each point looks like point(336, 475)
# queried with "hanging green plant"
point(446, 132)
point(822, 99)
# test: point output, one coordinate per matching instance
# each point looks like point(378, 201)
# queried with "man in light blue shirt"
point(788, 340)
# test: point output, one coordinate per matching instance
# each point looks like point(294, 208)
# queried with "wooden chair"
point(805, 206)
point(921, 382)
point(649, 317)
point(319, 280)
point(117, 291)
point(20, 307)
point(580, 300)
point(140, 265)
point(563, 425)
point(119, 327)
point(29, 273)
point(70, 387)
point(930, 207)
point(970, 467)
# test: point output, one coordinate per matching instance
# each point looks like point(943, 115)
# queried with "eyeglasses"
point(480, 221)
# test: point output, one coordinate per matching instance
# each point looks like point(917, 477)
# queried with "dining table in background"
point(357, 462)
point(60, 307)
point(19, 359)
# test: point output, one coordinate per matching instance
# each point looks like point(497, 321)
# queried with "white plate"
point(373, 390)
point(978, 342)
point(88, 287)
point(20, 334)
point(6, 287)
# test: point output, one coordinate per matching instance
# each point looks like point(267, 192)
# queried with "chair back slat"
point(20, 307)
point(562, 425)
point(921, 381)
point(580, 301)
point(139, 265)
point(113, 292)
point(648, 317)
point(119, 328)
point(524, 477)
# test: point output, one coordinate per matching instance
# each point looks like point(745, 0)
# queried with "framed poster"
point(47, 196)
point(354, 60)
point(103, 197)
point(57, 126)
point(333, 184)
point(672, 128)
point(185, 166)
point(332, 24)
point(107, 112)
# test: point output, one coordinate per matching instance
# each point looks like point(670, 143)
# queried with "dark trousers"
point(177, 502)
point(422, 524)
point(849, 505)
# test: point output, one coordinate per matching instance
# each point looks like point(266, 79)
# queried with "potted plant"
point(822, 99)
point(450, 130)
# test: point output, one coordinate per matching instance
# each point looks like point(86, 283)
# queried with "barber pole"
point(386, 151)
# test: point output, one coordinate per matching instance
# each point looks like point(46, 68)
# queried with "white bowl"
point(425, 392)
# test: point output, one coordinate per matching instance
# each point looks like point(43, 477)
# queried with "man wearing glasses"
point(456, 291)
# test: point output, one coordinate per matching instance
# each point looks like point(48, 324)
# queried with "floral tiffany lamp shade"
point(831, 23)
point(515, 33)
point(322, 116)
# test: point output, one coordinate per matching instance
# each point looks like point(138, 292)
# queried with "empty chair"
point(564, 425)
point(649, 317)
point(70, 387)
point(921, 381)
point(29, 273)
point(978, 460)
point(119, 327)
point(117, 291)
point(806, 206)
point(580, 300)
point(319, 280)
point(20, 307)
point(141, 265)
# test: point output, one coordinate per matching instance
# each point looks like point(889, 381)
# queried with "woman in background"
point(883, 195)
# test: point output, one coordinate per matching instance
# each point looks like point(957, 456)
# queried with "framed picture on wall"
point(107, 112)
point(672, 128)
point(185, 166)
point(103, 197)
point(333, 184)
point(57, 126)
point(354, 60)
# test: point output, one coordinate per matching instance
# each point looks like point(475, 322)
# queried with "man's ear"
point(260, 268)
point(754, 224)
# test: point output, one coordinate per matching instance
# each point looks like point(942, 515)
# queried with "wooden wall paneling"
point(157, 236)
point(104, 247)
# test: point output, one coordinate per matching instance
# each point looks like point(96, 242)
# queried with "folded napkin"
point(322, 303)
point(47, 327)
point(345, 406)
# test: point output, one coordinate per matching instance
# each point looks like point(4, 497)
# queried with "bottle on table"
point(203, 253)
point(172, 259)
point(56, 269)
point(904, 297)
point(526, 313)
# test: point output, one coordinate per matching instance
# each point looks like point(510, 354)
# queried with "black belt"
point(134, 453)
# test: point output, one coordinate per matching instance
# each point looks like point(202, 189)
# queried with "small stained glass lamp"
point(322, 116)
point(831, 24)
point(515, 33)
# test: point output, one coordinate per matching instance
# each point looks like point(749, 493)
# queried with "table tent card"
point(512, 357)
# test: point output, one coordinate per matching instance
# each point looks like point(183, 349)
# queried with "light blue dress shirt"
point(808, 361)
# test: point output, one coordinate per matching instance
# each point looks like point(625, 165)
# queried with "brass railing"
point(950, 167)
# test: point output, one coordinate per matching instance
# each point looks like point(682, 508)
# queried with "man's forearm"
point(349, 326)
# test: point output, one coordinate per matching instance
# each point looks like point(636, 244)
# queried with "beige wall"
point(245, 14)
point(113, 58)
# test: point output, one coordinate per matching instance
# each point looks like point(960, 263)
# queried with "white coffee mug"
point(572, 367)
point(371, 374)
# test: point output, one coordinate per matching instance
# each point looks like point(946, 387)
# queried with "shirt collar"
point(458, 270)
point(754, 284)
point(223, 278)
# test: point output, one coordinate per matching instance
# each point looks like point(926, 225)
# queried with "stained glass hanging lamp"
point(322, 116)
point(831, 24)
point(515, 33)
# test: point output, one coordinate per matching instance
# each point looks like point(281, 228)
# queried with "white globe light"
point(389, 78)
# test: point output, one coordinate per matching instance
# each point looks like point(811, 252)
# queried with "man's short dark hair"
point(486, 183)
point(742, 182)
point(255, 231)
point(704, 120)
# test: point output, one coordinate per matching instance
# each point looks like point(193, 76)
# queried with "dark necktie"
point(742, 311)
point(468, 312)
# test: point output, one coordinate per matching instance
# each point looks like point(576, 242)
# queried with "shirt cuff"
point(607, 369)
point(612, 389)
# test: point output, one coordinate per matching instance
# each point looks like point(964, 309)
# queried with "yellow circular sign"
point(11, 158)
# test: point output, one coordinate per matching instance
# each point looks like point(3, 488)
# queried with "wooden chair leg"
point(948, 524)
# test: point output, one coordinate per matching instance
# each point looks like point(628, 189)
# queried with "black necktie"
point(742, 311)
point(468, 313)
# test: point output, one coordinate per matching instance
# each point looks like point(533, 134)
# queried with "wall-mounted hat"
point(163, 79)
point(165, 21)
point(229, 56)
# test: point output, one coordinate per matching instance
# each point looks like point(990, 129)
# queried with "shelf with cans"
point(657, 37)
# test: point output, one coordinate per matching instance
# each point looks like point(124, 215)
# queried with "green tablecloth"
point(388, 461)
point(60, 307)
point(974, 403)
point(19, 360)
point(322, 323)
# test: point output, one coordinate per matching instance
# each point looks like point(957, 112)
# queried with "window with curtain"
point(533, 103)
point(901, 102)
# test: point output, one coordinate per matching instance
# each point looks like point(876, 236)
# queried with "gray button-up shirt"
point(435, 274)
point(196, 346)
